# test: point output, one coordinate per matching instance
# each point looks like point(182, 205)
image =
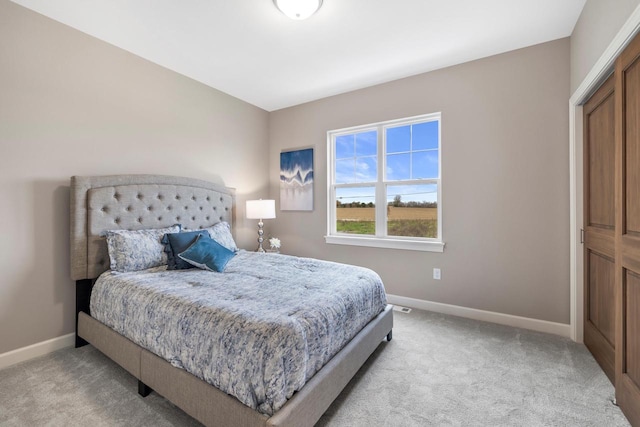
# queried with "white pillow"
point(221, 233)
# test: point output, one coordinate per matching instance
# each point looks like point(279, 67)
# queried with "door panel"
point(631, 148)
point(599, 209)
point(601, 289)
point(627, 237)
point(599, 327)
point(601, 160)
point(632, 321)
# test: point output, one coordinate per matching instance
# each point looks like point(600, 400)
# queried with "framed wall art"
point(296, 180)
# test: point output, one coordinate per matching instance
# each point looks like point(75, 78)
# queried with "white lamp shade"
point(261, 209)
point(298, 9)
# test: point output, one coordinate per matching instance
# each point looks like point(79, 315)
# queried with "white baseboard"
point(486, 316)
point(39, 349)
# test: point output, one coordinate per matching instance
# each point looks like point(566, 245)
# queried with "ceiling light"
point(298, 9)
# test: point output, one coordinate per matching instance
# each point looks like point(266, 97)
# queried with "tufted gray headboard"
point(133, 202)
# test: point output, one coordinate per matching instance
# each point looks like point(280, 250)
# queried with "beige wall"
point(73, 105)
point(598, 24)
point(504, 180)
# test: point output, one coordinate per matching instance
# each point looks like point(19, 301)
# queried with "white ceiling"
point(250, 50)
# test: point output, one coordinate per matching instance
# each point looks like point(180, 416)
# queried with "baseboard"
point(39, 349)
point(486, 316)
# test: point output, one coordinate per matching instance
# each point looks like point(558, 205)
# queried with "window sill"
point(389, 243)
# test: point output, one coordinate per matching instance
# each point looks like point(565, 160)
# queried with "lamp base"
point(260, 238)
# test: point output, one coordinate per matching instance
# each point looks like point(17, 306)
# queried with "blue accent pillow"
point(207, 254)
point(174, 243)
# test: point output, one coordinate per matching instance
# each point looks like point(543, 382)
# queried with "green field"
point(403, 221)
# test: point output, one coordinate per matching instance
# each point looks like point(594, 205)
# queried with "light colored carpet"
point(438, 370)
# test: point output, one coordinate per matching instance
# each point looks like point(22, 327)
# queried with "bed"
point(137, 202)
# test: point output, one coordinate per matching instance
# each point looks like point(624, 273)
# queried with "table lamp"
point(261, 209)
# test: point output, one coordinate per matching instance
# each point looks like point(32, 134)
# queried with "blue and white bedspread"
point(258, 331)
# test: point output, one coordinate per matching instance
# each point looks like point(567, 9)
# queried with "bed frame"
point(134, 202)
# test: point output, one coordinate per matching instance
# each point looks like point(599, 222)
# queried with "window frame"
point(381, 239)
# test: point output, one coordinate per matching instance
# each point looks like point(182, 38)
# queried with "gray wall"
point(73, 105)
point(598, 24)
point(504, 181)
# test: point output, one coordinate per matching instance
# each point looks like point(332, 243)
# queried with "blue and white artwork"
point(296, 180)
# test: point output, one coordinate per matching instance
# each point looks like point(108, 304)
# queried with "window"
point(384, 185)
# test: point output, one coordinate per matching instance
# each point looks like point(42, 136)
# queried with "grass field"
point(368, 214)
point(402, 221)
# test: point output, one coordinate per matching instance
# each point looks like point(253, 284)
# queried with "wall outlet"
point(436, 273)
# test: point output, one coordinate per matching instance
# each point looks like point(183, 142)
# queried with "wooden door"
point(627, 277)
point(599, 226)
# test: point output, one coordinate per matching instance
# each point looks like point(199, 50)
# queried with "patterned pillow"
point(221, 233)
point(207, 254)
point(138, 249)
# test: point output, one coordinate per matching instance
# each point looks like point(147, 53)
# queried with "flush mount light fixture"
point(298, 9)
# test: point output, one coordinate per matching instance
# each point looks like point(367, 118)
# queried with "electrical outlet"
point(436, 273)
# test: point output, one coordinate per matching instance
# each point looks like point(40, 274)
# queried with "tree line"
point(396, 203)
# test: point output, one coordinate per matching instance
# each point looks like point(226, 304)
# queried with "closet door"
point(628, 231)
point(599, 226)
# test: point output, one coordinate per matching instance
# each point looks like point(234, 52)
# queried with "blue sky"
point(411, 153)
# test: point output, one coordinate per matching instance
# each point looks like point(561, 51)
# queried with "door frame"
point(598, 74)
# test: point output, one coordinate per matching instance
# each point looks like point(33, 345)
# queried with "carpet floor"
point(438, 370)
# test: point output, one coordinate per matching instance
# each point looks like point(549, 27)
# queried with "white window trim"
point(385, 242)
point(381, 240)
